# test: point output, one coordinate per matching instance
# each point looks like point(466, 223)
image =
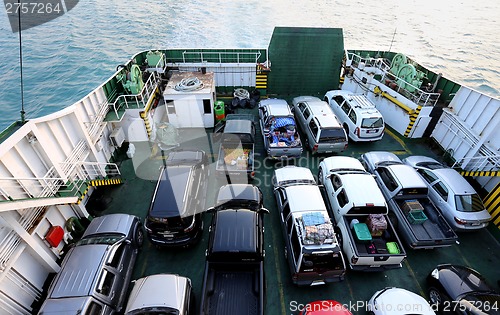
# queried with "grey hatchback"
point(452, 194)
point(96, 272)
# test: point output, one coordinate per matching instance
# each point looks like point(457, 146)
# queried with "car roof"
point(238, 125)
point(298, 203)
point(328, 121)
point(79, 271)
point(271, 101)
point(170, 195)
point(292, 174)
point(455, 181)
point(379, 157)
point(146, 293)
point(277, 108)
point(111, 223)
point(407, 176)
point(370, 194)
point(63, 306)
point(339, 163)
point(359, 101)
point(235, 231)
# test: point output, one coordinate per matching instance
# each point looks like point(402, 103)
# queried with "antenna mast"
point(21, 65)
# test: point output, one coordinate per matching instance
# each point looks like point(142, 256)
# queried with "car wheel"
point(139, 237)
point(435, 296)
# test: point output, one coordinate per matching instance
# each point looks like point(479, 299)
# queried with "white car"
point(452, 194)
point(360, 118)
point(398, 301)
point(161, 294)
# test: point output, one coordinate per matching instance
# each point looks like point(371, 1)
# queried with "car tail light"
point(357, 131)
point(315, 148)
point(252, 174)
point(191, 226)
point(460, 221)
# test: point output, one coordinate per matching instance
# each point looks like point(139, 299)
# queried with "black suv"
point(175, 213)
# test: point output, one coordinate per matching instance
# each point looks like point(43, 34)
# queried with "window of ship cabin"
point(207, 106)
point(94, 309)
point(339, 99)
point(170, 106)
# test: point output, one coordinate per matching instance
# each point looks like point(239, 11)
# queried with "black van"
point(175, 213)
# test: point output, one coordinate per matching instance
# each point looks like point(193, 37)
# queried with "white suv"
point(358, 115)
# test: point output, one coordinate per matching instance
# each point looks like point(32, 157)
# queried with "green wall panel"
point(305, 61)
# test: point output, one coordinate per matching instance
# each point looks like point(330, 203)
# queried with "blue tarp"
point(284, 121)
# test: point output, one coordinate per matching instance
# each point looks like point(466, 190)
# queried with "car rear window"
point(372, 122)
point(332, 135)
point(469, 203)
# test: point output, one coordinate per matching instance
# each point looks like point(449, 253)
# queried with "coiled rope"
point(189, 84)
point(241, 94)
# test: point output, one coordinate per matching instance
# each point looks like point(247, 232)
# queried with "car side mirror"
point(264, 210)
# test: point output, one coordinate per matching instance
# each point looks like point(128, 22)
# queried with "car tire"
point(139, 236)
point(435, 296)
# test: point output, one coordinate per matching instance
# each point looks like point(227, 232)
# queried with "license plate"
point(372, 131)
point(374, 266)
point(476, 223)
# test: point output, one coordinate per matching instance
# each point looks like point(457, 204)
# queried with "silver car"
point(452, 194)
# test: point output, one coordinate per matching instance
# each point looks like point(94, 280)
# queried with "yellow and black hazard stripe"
point(413, 119)
point(492, 203)
point(104, 182)
point(147, 124)
point(80, 199)
point(480, 173)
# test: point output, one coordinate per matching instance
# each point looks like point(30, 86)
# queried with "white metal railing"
point(138, 100)
point(96, 126)
point(208, 56)
point(479, 163)
point(8, 245)
point(50, 185)
point(418, 96)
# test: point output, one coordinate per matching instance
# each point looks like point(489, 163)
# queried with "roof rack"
point(315, 229)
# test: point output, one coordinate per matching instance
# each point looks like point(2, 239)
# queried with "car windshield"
point(103, 239)
point(372, 122)
point(469, 203)
point(431, 165)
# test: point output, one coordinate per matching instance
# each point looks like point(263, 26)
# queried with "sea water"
point(66, 58)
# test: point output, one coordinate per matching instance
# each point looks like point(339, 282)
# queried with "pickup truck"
point(234, 281)
point(312, 250)
point(416, 218)
point(237, 145)
point(368, 239)
point(279, 130)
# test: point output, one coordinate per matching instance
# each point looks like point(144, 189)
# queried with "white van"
point(361, 120)
point(321, 129)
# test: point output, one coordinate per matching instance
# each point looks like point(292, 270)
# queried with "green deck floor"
point(479, 250)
